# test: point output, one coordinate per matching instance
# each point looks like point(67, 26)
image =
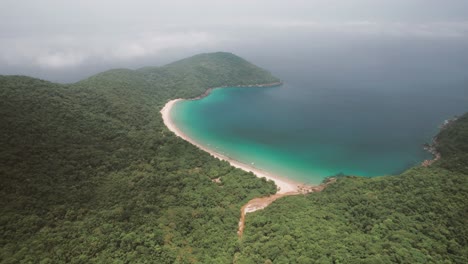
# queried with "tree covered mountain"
point(90, 174)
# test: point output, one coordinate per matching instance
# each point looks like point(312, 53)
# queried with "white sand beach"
point(284, 185)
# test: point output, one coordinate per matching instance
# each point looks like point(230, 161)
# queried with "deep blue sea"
point(310, 128)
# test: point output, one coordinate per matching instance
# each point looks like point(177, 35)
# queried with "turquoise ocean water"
point(307, 131)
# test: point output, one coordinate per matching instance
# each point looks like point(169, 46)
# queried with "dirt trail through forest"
point(262, 202)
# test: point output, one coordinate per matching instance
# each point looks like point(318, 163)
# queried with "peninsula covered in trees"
point(90, 174)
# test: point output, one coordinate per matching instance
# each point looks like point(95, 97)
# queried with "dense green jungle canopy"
point(90, 174)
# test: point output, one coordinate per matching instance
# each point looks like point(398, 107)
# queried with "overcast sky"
point(65, 40)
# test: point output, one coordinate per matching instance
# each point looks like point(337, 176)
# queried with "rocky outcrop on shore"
point(432, 147)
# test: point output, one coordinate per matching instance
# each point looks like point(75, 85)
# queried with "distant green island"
point(90, 174)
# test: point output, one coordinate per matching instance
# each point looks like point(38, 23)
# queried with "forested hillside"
point(420, 216)
point(89, 173)
point(453, 146)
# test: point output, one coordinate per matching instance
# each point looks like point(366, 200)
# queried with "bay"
point(307, 130)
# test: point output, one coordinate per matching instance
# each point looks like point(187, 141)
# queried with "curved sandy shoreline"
point(284, 185)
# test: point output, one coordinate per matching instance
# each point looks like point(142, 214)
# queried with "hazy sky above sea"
point(64, 40)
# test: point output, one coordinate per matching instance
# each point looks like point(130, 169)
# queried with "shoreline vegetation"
point(209, 90)
point(262, 202)
point(91, 174)
point(284, 185)
point(432, 147)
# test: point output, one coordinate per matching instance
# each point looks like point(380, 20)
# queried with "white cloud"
point(60, 60)
point(364, 27)
point(68, 51)
point(154, 43)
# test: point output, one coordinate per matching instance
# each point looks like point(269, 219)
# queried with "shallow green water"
point(307, 132)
